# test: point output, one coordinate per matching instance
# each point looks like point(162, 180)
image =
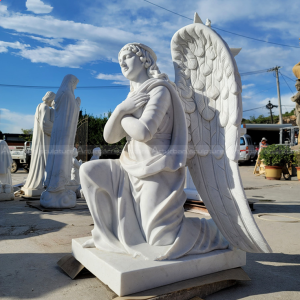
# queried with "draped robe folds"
point(40, 146)
point(5, 163)
point(59, 163)
point(137, 201)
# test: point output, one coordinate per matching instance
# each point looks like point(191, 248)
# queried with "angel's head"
point(136, 59)
point(48, 98)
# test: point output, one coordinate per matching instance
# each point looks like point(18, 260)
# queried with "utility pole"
point(278, 91)
point(270, 106)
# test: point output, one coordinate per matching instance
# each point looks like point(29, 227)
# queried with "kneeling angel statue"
point(137, 201)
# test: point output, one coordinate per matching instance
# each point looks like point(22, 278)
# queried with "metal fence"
point(81, 139)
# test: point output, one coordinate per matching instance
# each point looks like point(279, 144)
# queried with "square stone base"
point(127, 275)
point(32, 192)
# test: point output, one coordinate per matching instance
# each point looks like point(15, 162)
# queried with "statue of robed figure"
point(43, 123)
point(59, 163)
point(137, 201)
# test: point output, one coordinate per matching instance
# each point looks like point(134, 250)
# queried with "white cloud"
point(12, 122)
point(245, 86)
point(3, 9)
point(16, 45)
point(117, 78)
point(38, 7)
point(72, 56)
point(52, 42)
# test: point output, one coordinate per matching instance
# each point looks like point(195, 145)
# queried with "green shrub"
point(277, 155)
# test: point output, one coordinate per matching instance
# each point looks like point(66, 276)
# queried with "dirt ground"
point(31, 243)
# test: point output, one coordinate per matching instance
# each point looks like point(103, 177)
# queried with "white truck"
point(21, 156)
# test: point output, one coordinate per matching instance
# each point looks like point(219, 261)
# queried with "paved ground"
point(31, 242)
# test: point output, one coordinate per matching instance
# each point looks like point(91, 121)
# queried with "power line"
point(254, 72)
point(288, 77)
point(254, 108)
point(286, 83)
point(56, 87)
point(244, 36)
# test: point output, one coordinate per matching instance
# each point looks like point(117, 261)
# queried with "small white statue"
point(40, 146)
point(6, 188)
point(96, 154)
point(75, 169)
point(195, 122)
point(59, 163)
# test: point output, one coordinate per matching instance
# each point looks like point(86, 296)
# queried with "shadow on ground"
point(36, 275)
point(270, 273)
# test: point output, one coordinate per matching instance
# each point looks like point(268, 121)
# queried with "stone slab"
point(127, 275)
point(32, 192)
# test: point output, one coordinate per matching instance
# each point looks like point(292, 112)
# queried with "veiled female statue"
point(43, 123)
point(59, 163)
point(137, 201)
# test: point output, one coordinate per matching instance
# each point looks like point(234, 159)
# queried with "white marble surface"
point(96, 153)
point(189, 187)
point(210, 87)
point(75, 179)
point(6, 189)
point(127, 275)
point(43, 123)
point(59, 162)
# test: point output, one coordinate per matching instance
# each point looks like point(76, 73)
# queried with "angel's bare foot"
point(89, 244)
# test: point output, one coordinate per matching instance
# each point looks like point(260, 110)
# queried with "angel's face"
point(131, 65)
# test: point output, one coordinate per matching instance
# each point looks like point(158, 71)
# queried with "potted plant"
point(297, 162)
point(275, 157)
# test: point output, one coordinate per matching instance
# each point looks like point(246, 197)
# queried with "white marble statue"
point(75, 168)
point(59, 163)
point(6, 187)
point(137, 201)
point(43, 123)
point(96, 154)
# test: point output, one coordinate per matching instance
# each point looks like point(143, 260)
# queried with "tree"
point(95, 136)
point(28, 133)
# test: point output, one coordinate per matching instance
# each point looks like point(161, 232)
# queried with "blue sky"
point(42, 41)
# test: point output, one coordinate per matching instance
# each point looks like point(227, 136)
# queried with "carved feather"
point(210, 88)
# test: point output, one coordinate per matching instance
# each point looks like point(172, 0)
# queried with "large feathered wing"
point(209, 86)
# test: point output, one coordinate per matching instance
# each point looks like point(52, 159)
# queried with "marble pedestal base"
point(61, 199)
point(32, 192)
point(127, 275)
point(73, 188)
point(7, 196)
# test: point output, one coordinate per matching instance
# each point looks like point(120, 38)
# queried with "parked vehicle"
point(247, 149)
point(21, 156)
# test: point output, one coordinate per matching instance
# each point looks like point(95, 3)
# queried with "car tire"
point(14, 167)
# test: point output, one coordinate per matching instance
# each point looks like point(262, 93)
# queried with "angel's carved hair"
point(149, 62)
point(49, 96)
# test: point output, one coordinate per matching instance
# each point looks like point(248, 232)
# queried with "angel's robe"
point(137, 201)
point(40, 146)
point(5, 163)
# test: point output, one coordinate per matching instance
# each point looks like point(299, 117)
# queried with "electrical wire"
point(244, 36)
point(288, 77)
point(255, 72)
point(99, 86)
point(254, 108)
point(286, 83)
point(56, 87)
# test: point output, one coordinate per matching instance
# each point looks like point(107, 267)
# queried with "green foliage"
point(297, 158)
point(277, 155)
point(95, 136)
point(29, 133)
point(261, 119)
